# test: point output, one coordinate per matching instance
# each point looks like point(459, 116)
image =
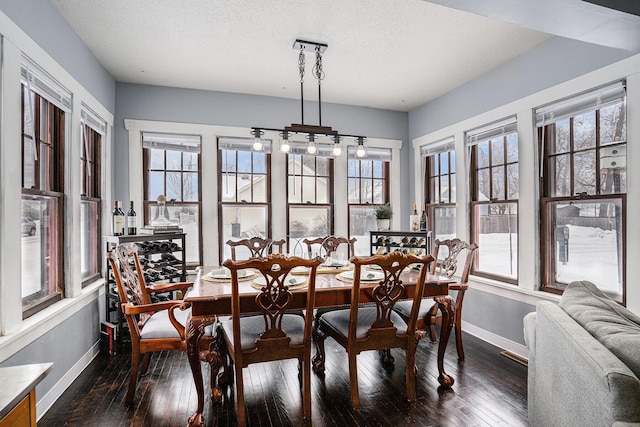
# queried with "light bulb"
point(284, 146)
point(257, 144)
point(337, 150)
point(361, 151)
point(311, 148)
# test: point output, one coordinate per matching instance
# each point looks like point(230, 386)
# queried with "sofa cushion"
point(617, 328)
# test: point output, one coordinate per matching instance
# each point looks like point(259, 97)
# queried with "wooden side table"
point(18, 393)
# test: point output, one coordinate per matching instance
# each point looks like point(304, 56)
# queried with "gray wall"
point(145, 102)
point(554, 61)
point(42, 22)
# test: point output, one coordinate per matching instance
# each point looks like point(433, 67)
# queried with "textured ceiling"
point(391, 54)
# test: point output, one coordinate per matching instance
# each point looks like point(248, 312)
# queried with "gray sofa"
point(584, 361)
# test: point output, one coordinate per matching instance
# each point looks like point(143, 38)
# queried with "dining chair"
point(331, 244)
point(375, 326)
point(258, 247)
point(154, 326)
point(277, 331)
point(446, 254)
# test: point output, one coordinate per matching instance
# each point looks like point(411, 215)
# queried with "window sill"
point(42, 322)
point(509, 291)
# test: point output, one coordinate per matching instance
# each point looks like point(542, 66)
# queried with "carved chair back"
point(258, 247)
point(446, 254)
point(330, 244)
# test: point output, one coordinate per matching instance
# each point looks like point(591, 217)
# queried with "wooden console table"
point(18, 393)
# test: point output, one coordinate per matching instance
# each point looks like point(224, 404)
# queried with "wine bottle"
point(414, 219)
point(423, 219)
point(131, 220)
point(117, 219)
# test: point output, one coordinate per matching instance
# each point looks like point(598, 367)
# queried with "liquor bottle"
point(131, 220)
point(423, 219)
point(414, 219)
point(117, 219)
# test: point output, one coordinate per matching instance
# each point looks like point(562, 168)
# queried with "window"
point(583, 190)
point(439, 163)
point(172, 168)
point(44, 108)
point(310, 194)
point(92, 130)
point(244, 193)
point(494, 190)
point(368, 186)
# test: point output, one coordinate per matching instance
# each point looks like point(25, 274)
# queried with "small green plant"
point(384, 211)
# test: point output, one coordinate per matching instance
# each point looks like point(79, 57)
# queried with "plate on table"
point(365, 275)
point(225, 274)
point(293, 282)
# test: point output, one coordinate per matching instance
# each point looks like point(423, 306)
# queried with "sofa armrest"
point(529, 322)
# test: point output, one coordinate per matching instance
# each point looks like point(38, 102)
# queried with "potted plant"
point(383, 216)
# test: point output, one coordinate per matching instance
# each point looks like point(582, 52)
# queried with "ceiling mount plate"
point(310, 46)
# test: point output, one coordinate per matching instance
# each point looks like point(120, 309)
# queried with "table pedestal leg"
point(447, 308)
point(195, 331)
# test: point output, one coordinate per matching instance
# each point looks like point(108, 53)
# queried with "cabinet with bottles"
point(162, 259)
point(410, 242)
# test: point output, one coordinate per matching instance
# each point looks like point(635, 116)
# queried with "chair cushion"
point(339, 320)
point(404, 308)
point(159, 325)
point(615, 327)
point(252, 326)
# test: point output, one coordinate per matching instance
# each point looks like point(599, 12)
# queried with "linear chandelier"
point(310, 132)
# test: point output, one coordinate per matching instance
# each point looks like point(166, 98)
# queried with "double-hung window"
point(244, 193)
point(92, 130)
point(583, 189)
point(493, 183)
point(46, 105)
point(310, 193)
point(439, 167)
point(368, 186)
point(171, 163)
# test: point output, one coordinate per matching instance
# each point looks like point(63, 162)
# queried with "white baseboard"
point(497, 340)
point(44, 404)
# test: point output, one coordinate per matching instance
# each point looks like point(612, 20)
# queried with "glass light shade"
point(337, 150)
point(311, 148)
point(257, 144)
point(284, 146)
point(361, 151)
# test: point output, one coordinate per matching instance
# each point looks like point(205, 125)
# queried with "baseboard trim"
point(44, 404)
point(516, 348)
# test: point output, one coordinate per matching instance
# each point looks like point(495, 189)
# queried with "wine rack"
point(162, 258)
point(409, 242)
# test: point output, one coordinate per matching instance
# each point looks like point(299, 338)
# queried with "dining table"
point(210, 298)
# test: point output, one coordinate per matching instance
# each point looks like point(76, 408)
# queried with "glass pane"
point(242, 222)
point(89, 239)
point(366, 169)
point(613, 161)
point(41, 269)
point(228, 161)
point(588, 243)
point(259, 162)
point(190, 187)
point(244, 161)
point(174, 160)
point(377, 169)
point(308, 189)
point(156, 158)
point(174, 186)
point(561, 143)
point(353, 190)
point(187, 216)
point(584, 131)
point(484, 190)
point(497, 176)
point(497, 152)
point(323, 166)
point(512, 147)
point(367, 190)
point(156, 185)
point(46, 170)
point(378, 191)
point(585, 172)
point(435, 159)
point(512, 182)
point(444, 163)
point(322, 190)
point(259, 188)
point(452, 161)
point(294, 164)
point(352, 168)
point(483, 154)
point(496, 228)
point(444, 189)
point(613, 125)
point(28, 163)
point(229, 187)
point(452, 191)
point(561, 175)
point(362, 219)
point(190, 161)
point(295, 189)
point(308, 165)
point(444, 222)
point(309, 222)
point(434, 190)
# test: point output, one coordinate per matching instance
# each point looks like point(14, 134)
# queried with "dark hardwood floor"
point(490, 390)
